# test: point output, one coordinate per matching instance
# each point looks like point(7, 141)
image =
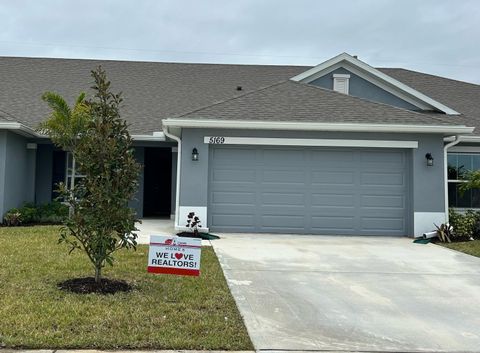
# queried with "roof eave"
point(315, 126)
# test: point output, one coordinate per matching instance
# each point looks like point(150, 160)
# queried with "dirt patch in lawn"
point(87, 285)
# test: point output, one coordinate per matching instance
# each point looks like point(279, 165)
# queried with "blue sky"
point(439, 37)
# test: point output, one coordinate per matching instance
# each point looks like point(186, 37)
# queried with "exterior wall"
point(17, 171)
point(426, 194)
point(362, 88)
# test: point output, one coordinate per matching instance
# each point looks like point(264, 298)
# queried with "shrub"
point(50, 213)
point(12, 218)
point(465, 225)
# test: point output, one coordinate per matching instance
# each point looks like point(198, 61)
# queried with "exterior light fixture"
point(194, 154)
point(429, 158)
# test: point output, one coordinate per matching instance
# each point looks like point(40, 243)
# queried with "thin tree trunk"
point(98, 274)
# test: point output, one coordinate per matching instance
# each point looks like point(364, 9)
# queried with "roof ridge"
point(427, 74)
point(227, 99)
point(372, 102)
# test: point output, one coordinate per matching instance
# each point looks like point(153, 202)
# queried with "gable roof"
point(379, 78)
point(298, 103)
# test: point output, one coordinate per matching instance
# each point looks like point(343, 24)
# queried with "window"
point(70, 167)
point(459, 164)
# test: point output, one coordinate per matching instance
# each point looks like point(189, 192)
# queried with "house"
point(339, 148)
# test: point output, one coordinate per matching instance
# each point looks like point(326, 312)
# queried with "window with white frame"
point(459, 164)
point(71, 170)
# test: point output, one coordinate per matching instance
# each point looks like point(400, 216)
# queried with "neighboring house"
point(339, 148)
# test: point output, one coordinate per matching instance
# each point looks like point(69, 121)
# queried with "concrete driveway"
point(336, 293)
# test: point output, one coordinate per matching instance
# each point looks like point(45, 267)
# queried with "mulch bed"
point(87, 285)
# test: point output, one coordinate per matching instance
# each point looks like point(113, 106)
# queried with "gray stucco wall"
point(426, 193)
point(3, 151)
point(18, 164)
point(362, 88)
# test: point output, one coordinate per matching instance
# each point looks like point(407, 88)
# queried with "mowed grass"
point(467, 247)
point(162, 312)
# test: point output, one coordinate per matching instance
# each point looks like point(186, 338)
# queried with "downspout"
point(179, 158)
point(445, 164)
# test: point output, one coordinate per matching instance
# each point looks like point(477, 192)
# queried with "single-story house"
point(339, 148)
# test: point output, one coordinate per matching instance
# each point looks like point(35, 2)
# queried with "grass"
point(162, 312)
point(467, 247)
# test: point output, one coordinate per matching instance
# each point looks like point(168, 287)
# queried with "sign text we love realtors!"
point(174, 255)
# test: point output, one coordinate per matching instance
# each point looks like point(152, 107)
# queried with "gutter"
point(313, 126)
point(179, 165)
point(456, 139)
point(20, 128)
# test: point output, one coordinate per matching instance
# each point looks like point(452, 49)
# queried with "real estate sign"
point(174, 255)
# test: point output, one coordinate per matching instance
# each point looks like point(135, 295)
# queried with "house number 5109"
point(216, 140)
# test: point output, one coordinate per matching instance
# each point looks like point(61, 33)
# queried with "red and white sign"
point(174, 255)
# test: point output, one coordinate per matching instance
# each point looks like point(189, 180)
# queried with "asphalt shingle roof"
point(294, 101)
point(154, 91)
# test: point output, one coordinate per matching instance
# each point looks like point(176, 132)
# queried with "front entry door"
point(157, 182)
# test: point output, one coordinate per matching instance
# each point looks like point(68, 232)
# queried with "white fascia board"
point(308, 142)
point(316, 71)
point(20, 129)
point(469, 139)
point(157, 137)
point(464, 149)
point(311, 126)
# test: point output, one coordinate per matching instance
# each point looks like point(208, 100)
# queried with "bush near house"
point(465, 225)
point(30, 214)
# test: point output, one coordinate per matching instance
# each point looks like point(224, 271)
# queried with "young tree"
point(101, 221)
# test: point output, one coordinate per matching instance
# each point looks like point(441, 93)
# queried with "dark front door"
point(157, 182)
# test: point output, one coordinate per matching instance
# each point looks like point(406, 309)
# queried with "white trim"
point(174, 149)
point(179, 166)
point(155, 137)
point(320, 69)
point(341, 76)
point(22, 129)
point(457, 140)
point(472, 139)
point(311, 142)
point(31, 146)
point(465, 149)
point(424, 222)
point(293, 125)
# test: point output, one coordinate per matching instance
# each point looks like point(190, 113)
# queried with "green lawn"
point(162, 312)
point(468, 247)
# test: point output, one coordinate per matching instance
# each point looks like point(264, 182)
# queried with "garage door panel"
point(331, 200)
point(283, 176)
point(334, 177)
point(230, 176)
point(309, 190)
point(281, 198)
point(238, 154)
point(383, 201)
point(382, 179)
point(233, 198)
point(382, 224)
point(279, 221)
point(334, 223)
